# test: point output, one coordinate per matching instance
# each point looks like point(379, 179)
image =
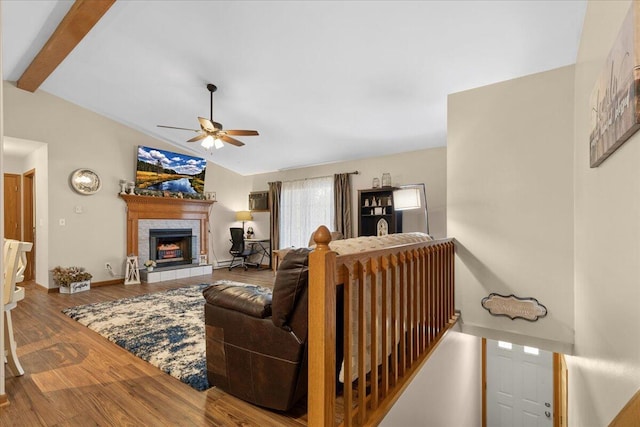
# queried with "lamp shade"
point(243, 216)
point(406, 198)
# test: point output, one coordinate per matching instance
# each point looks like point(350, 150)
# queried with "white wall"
point(76, 138)
point(484, 212)
point(425, 166)
point(605, 371)
point(109, 148)
point(510, 204)
point(447, 391)
point(13, 164)
point(232, 194)
point(38, 160)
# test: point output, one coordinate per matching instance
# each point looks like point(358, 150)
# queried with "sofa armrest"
point(252, 300)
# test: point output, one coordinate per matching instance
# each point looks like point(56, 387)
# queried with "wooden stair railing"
point(629, 416)
point(409, 289)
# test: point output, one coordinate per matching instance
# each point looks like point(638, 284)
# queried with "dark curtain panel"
point(342, 202)
point(275, 188)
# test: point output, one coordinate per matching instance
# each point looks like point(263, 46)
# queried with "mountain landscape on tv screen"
point(165, 171)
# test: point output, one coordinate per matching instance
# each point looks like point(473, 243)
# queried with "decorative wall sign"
point(514, 307)
point(615, 97)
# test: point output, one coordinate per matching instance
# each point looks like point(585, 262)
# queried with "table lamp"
point(243, 216)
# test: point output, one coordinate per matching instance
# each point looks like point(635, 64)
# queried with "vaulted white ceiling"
point(322, 81)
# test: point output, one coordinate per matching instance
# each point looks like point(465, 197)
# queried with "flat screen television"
point(159, 172)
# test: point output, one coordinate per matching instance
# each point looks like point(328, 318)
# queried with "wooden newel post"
point(322, 332)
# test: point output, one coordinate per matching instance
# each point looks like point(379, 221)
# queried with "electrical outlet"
point(107, 266)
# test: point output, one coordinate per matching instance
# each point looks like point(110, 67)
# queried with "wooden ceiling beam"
point(80, 19)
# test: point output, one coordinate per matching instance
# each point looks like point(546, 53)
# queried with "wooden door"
point(12, 206)
point(29, 221)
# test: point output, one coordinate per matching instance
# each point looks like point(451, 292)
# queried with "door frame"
point(28, 220)
point(560, 391)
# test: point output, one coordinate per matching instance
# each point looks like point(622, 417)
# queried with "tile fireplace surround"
point(145, 210)
point(146, 225)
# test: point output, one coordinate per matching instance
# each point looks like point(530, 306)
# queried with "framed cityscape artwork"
point(614, 99)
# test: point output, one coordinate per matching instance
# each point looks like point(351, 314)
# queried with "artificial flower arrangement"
point(150, 263)
point(64, 276)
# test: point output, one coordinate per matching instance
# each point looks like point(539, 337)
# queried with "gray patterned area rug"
point(165, 328)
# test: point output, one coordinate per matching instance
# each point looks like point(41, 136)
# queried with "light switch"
point(62, 222)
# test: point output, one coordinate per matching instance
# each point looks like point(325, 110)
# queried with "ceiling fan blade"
point(206, 124)
point(173, 127)
point(209, 128)
point(231, 141)
point(241, 132)
point(198, 138)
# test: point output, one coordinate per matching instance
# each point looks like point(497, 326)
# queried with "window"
point(505, 345)
point(304, 206)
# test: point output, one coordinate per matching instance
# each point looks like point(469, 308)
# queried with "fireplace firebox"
point(169, 247)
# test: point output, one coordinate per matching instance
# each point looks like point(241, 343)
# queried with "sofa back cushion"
point(368, 243)
point(291, 282)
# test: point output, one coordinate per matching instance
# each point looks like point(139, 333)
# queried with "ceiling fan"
point(211, 133)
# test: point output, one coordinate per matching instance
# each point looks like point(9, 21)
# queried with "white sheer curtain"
point(304, 206)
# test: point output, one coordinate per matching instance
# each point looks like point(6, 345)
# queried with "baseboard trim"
point(107, 283)
point(4, 400)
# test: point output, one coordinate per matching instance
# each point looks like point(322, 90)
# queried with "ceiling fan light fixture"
point(210, 133)
point(207, 142)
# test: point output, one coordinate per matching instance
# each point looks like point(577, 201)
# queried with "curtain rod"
point(318, 177)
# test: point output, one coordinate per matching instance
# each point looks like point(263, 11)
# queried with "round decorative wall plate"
point(85, 181)
point(383, 227)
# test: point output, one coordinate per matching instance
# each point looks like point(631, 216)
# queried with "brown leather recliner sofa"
point(256, 339)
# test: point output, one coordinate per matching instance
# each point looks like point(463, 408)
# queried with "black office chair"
point(238, 249)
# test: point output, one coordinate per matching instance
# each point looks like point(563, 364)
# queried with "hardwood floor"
point(75, 377)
